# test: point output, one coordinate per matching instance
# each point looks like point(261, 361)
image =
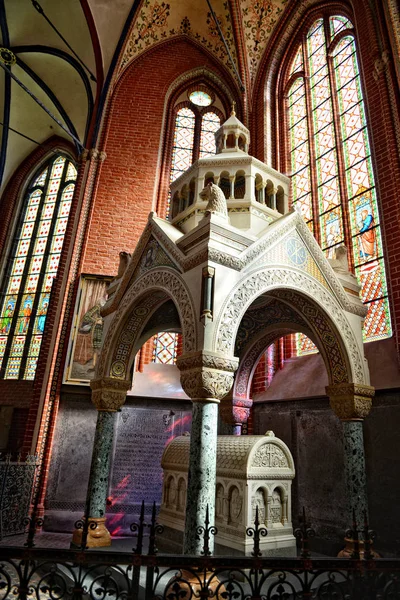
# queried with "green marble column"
point(108, 395)
point(355, 474)
point(352, 402)
point(100, 467)
point(202, 474)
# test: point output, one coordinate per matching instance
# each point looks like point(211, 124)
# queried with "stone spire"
point(232, 136)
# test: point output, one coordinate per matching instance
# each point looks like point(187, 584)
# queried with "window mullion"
point(340, 158)
point(46, 255)
point(311, 146)
point(25, 274)
point(196, 137)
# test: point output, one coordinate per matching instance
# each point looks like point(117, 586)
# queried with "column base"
point(349, 549)
point(190, 580)
point(99, 537)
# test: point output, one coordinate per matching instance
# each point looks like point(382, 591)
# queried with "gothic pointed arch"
point(38, 214)
point(123, 336)
point(319, 310)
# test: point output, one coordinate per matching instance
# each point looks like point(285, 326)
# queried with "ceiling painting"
point(259, 18)
point(158, 21)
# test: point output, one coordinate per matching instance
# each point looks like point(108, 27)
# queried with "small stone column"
point(108, 395)
point(272, 198)
point(232, 179)
point(206, 378)
point(351, 403)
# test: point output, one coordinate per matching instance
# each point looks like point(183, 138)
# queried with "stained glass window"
point(165, 348)
point(200, 98)
point(330, 160)
point(189, 125)
point(33, 261)
point(210, 123)
point(182, 153)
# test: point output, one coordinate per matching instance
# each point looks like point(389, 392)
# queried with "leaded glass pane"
point(165, 348)
point(304, 207)
point(377, 322)
point(304, 345)
point(182, 152)
point(71, 172)
point(297, 64)
point(210, 123)
point(331, 225)
point(23, 311)
point(301, 183)
point(364, 220)
point(338, 23)
point(359, 177)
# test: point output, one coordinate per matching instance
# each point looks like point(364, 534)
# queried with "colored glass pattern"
point(34, 261)
point(304, 345)
point(300, 153)
point(355, 203)
point(297, 64)
point(182, 153)
point(210, 123)
point(165, 348)
point(200, 98)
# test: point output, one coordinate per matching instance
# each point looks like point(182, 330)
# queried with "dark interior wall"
point(314, 436)
point(143, 427)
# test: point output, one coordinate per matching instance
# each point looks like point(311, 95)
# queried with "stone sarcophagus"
point(252, 471)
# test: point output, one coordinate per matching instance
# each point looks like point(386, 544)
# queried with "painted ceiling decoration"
point(158, 21)
point(260, 17)
point(161, 21)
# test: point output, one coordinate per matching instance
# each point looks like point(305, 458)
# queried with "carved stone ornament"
point(206, 376)
point(216, 201)
point(165, 280)
point(350, 401)
point(109, 394)
point(270, 455)
point(264, 280)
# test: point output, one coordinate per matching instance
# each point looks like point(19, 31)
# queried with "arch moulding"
point(136, 307)
point(318, 307)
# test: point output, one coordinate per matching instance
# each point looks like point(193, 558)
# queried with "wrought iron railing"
point(32, 572)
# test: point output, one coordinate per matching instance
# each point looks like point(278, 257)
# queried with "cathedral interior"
point(200, 272)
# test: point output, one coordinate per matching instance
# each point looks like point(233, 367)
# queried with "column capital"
point(350, 401)
point(108, 393)
point(207, 375)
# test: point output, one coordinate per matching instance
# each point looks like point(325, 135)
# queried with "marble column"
point(206, 377)
point(108, 395)
point(202, 472)
point(352, 403)
point(356, 481)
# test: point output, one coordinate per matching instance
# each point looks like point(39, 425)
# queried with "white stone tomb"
point(252, 471)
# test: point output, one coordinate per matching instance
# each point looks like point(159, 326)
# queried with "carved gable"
point(153, 255)
point(291, 250)
point(270, 455)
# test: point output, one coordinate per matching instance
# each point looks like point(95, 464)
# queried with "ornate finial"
point(233, 112)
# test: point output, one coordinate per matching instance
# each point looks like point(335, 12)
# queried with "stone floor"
point(46, 539)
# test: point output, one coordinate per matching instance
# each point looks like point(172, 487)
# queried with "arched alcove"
point(137, 319)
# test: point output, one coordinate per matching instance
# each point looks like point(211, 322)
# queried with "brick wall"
point(131, 170)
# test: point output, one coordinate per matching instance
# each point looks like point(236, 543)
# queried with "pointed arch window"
point(32, 267)
point(193, 137)
point(329, 158)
